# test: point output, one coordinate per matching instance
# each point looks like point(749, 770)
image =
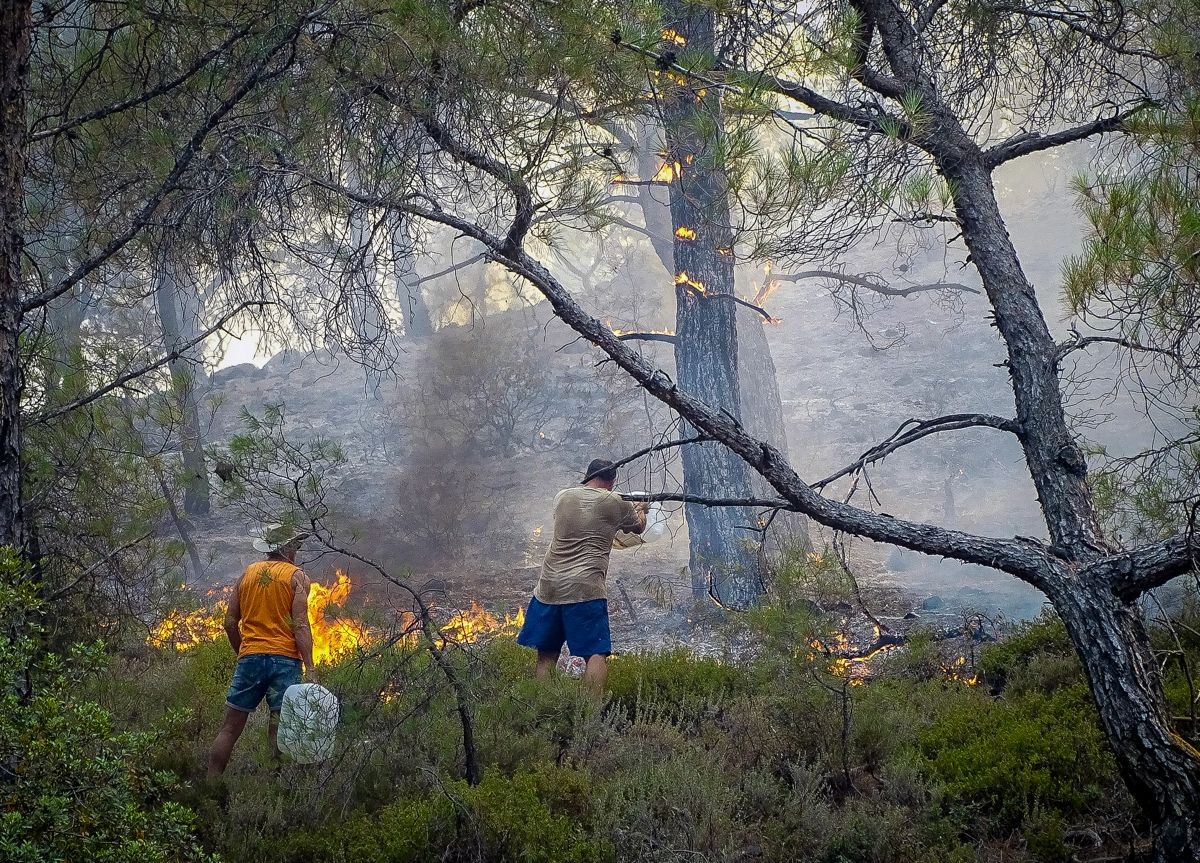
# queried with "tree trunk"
point(178, 315)
point(15, 26)
point(1161, 770)
point(723, 548)
point(758, 385)
point(418, 322)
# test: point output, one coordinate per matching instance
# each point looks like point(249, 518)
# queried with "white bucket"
point(656, 528)
point(307, 722)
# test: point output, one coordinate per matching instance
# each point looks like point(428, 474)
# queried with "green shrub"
point(675, 677)
point(75, 785)
point(1003, 760)
point(505, 820)
point(1036, 655)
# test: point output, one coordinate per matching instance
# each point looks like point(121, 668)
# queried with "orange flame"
point(685, 233)
point(770, 287)
point(331, 638)
point(474, 623)
point(337, 637)
point(667, 173)
point(670, 34)
point(684, 279)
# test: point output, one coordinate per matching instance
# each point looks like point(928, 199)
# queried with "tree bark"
point(15, 27)
point(723, 548)
point(1161, 769)
point(178, 315)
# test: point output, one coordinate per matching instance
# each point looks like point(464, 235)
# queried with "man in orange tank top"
point(267, 624)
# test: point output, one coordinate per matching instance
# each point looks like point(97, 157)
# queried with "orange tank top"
point(265, 595)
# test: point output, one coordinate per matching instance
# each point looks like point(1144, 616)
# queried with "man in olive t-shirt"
point(570, 602)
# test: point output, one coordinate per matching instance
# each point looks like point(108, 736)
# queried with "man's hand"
point(311, 675)
point(641, 507)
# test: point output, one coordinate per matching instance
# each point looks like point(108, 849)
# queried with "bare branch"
point(668, 338)
point(913, 430)
point(877, 287)
point(1032, 142)
point(658, 447)
point(146, 369)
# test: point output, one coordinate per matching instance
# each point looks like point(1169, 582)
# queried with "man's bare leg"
point(595, 675)
point(227, 738)
point(545, 664)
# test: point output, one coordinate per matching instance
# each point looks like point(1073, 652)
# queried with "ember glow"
point(684, 233)
point(672, 35)
point(684, 279)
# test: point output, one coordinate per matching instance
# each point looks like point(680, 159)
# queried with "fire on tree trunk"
point(723, 552)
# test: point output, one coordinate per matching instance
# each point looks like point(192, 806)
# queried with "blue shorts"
point(260, 675)
point(582, 625)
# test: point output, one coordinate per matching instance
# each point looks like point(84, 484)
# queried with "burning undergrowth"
point(336, 631)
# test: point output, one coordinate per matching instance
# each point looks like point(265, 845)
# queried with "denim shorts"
point(260, 675)
point(582, 625)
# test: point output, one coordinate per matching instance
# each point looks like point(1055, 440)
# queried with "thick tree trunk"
point(723, 548)
point(15, 27)
point(1161, 770)
point(758, 384)
point(178, 315)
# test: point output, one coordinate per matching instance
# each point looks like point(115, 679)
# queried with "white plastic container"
point(308, 722)
point(656, 528)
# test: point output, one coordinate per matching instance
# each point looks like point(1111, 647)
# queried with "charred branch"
point(913, 430)
point(667, 338)
point(877, 287)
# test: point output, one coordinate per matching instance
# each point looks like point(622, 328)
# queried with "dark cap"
point(601, 468)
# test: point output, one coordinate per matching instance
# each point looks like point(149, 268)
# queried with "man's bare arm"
point(300, 626)
point(233, 620)
point(640, 509)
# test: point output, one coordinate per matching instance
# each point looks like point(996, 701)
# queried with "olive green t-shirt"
point(585, 522)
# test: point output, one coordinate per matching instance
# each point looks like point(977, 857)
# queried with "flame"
point(957, 671)
point(474, 623)
point(726, 252)
point(685, 233)
point(619, 178)
point(683, 279)
point(701, 93)
point(768, 288)
point(333, 638)
point(667, 172)
point(184, 630)
point(670, 34)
